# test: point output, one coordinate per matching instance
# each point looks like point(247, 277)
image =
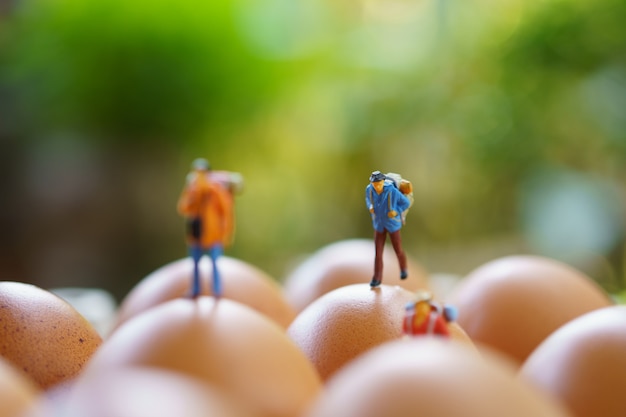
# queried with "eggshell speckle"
point(42, 335)
point(583, 364)
point(343, 263)
point(429, 377)
point(241, 282)
point(222, 342)
point(512, 304)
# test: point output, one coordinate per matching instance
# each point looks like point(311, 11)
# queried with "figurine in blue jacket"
point(387, 206)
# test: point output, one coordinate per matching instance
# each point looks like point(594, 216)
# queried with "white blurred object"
point(567, 214)
point(442, 284)
point(95, 304)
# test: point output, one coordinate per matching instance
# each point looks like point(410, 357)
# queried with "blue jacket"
point(390, 199)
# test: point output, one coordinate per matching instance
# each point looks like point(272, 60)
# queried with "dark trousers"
point(379, 242)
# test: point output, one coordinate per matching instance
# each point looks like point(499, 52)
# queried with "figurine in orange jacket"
point(207, 204)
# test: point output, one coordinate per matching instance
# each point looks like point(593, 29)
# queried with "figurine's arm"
point(403, 202)
point(368, 200)
point(188, 203)
point(229, 222)
point(225, 206)
point(398, 203)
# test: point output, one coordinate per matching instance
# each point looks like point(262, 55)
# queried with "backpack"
point(401, 184)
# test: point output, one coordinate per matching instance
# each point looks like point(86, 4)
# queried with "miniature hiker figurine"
point(388, 206)
point(426, 317)
point(207, 204)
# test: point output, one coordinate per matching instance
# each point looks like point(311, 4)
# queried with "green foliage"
point(567, 37)
point(535, 99)
point(137, 69)
point(553, 69)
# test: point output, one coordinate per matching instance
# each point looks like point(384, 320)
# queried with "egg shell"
point(43, 335)
point(344, 263)
point(513, 303)
point(17, 393)
point(141, 392)
point(430, 377)
point(241, 282)
point(457, 333)
point(583, 364)
point(222, 342)
point(348, 321)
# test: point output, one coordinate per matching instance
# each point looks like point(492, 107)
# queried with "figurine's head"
point(377, 176)
point(200, 164)
point(378, 181)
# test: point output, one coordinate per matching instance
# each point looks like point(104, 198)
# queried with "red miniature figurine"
point(207, 204)
point(424, 316)
point(388, 198)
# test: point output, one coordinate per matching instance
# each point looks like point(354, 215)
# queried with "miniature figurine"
point(388, 198)
point(207, 204)
point(426, 317)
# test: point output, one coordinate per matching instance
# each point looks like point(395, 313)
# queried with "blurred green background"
point(508, 116)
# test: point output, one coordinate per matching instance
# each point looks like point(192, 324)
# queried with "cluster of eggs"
point(533, 337)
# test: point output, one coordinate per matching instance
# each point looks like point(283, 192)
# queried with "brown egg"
point(51, 402)
point(241, 282)
point(347, 321)
point(457, 333)
point(583, 364)
point(17, 393)
point(141, 392)
point(430, 377)
point(225, 344)
point(43, 335)
point(513, 303)
point(343, 263)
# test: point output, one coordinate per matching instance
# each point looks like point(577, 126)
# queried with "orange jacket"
point(209, 202)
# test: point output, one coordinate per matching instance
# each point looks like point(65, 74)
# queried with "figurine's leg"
point(379, 243)
point(195, 251)
point(396, 242)
point(215, 253)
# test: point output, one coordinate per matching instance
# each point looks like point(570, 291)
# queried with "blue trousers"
point(214, 252)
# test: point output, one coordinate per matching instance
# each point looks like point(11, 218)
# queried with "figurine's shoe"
point(375, 282)
point(403, 274)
